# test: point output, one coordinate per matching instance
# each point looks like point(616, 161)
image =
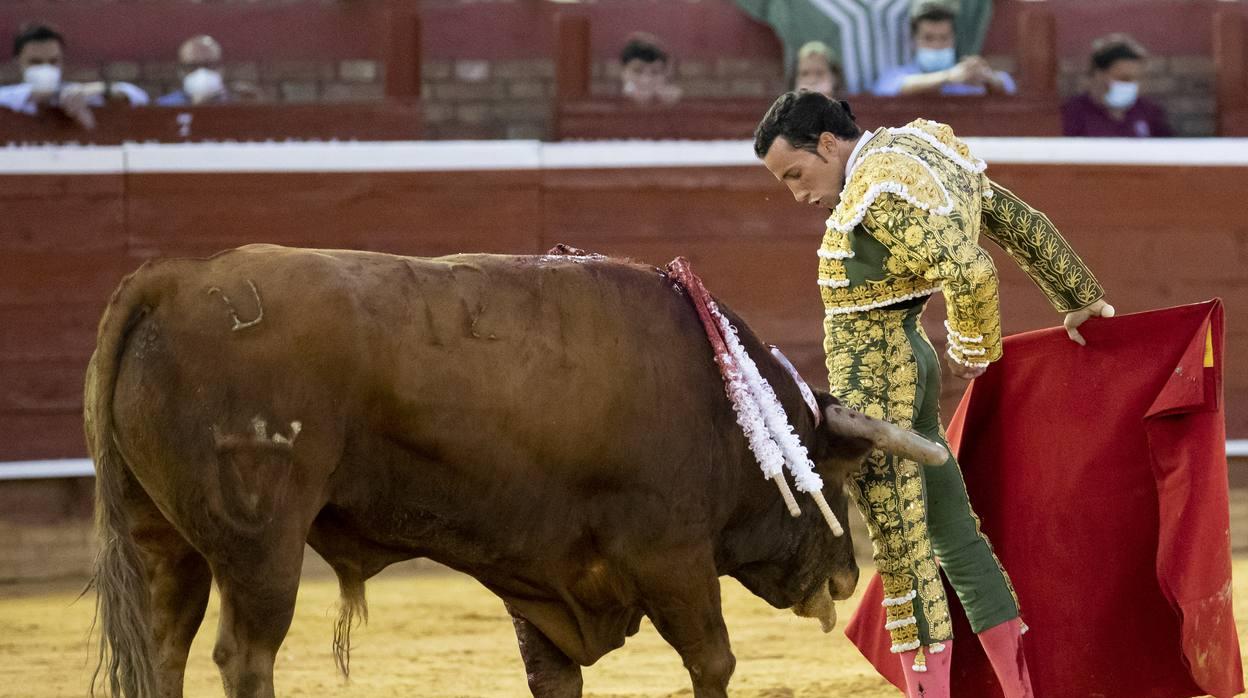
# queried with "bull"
point(552, 426)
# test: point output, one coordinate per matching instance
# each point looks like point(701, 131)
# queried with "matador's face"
point(815, 176)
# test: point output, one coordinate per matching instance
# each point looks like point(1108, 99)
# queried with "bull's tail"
point(121, 608)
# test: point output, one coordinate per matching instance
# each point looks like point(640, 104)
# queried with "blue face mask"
point(931, 60)
point(1122, 95)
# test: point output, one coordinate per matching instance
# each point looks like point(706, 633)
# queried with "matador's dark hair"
point(800, 118)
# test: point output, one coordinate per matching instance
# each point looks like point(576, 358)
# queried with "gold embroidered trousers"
point(881, 362)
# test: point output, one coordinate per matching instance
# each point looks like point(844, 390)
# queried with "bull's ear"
point(825, 399)
point(845, 452)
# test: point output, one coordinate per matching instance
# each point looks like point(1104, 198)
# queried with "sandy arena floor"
point(439, 634)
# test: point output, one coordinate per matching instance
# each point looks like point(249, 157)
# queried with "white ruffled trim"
point(834, 283)
point(969, 364)
point(835, 254)
point(906, 647)
point(936, 648)
point(962, 337)
point(975, 165)
point(956, 346)
point(891, 187)
point(881, 303)
point(771, 435)
point(899, 600)
point(750, 419)
point(894, 624)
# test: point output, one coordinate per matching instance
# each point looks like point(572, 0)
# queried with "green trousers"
point(881, 362)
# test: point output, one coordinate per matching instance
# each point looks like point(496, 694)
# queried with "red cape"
point(1100, 475)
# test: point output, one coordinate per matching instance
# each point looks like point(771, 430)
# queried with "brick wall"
point(291, 81)
point(479, 98)
point(487, 99)
point(513, 98)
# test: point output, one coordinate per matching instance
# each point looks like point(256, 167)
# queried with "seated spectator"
point(646, 71)
point(936, 68)
point(1112, 106)
point(40, 52)
point(199, 68)
point(817, 70)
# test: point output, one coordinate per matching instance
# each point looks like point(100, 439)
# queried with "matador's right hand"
point(1075, 319)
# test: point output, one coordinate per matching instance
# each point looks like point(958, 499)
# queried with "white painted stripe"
point(606, 154)
point(449, 156)
point(82, 467)
point(61, 159)
point(43, 469)
point(395, 156)
point(1173, 152)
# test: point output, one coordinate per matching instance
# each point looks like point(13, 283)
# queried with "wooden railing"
point(385, 121)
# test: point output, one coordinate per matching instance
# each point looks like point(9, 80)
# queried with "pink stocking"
point(934, 682)
point(1004, 647)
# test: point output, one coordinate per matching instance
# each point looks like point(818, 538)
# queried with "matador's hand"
point(1075, 319)
point(963, 371)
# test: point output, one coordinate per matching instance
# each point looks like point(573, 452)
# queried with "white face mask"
point(644, 85)
point(203, 83)
point(1121, 95)
point(43, 78)
point(931, 60)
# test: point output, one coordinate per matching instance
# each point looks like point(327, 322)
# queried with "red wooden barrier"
point(69, 239)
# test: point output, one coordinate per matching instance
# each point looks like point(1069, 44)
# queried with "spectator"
point(199, 68)
point(40, 53)
point(1112, 106)
point(936, 68)
point(817, 70)
point(646, 71)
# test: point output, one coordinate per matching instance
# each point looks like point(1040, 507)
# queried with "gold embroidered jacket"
point(908, 224)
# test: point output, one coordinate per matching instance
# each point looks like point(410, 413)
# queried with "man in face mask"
point(936, 68)
point(40, 53)
point(1112, 107)
point(199, 68)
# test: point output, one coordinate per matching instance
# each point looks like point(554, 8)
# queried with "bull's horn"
point(886, 437)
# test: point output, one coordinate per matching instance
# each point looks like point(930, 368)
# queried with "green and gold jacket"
point(908, 224)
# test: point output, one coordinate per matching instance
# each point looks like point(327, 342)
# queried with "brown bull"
point(554, 427)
